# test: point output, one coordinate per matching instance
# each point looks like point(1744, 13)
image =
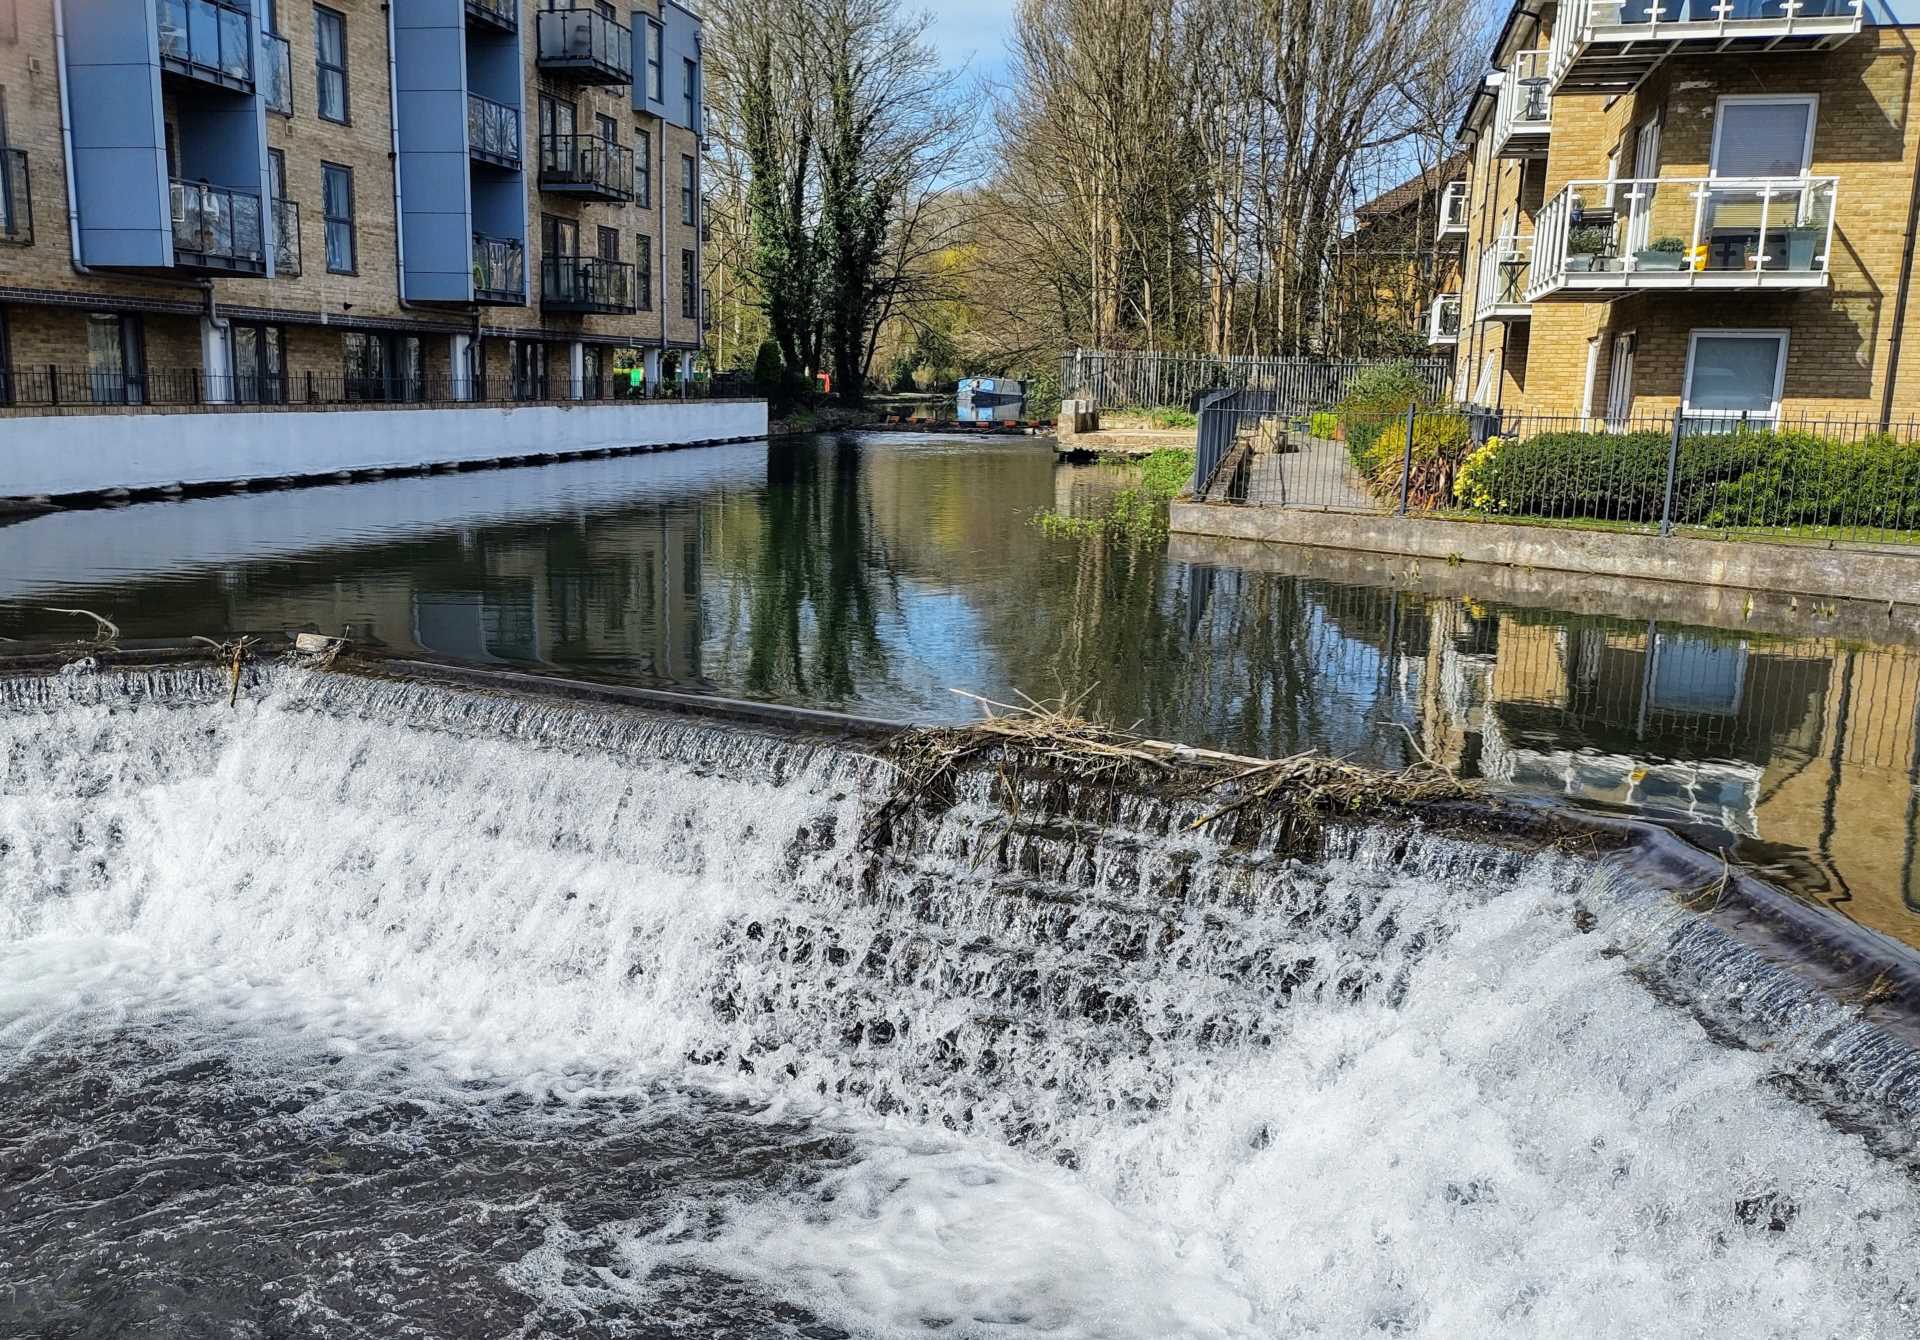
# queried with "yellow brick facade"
point(45, 300)
point(1843, 345)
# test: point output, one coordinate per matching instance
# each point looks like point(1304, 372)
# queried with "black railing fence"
point(54, 387)
point(1666, 472)
point(1112, 378)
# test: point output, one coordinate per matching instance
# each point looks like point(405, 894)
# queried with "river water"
point(879, 573)
point(359, 1011)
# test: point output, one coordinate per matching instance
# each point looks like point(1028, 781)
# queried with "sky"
point(972, 32)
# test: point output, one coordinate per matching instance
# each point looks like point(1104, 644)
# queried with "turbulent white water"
point(630, 1003)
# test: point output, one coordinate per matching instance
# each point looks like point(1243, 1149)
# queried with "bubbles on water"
point(639, 992)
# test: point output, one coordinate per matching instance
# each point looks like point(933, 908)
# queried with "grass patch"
point(1136, 513)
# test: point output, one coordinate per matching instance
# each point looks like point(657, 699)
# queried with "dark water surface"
point(879, 573)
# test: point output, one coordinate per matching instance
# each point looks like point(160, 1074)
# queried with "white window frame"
point(1593, 376)
point(1782, 334)
point(1811, 101)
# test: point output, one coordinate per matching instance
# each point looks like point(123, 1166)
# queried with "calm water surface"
point(880, 573)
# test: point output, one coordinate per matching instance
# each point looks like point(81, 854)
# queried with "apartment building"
point(1396, 270)
point(1697, 204)
point(285, 201)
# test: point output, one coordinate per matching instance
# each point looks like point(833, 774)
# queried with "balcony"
point(1523, 108)
point(218, 229)
point(1453, 212)
point(493, 131)
point(584, 45)
point(286, 237)
point(499, 15)
point(586, 166)
point(586, 284)
point(207, 40)
point(16, 198)
point(276, 73)
point(1443, 319)
point(499, 271)
point(1599, 240)
point(1501, 294)
point(1612, 44)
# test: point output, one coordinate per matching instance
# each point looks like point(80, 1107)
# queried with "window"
point(277, 173)
point(383, 367)
point(527, 364)
point(605, 11)
point(1734, 376)
point(330, 64)
point(556, 117)
point(270, 16)
point(116, 359)
point(1763, 136)
point(609, 244)
point(689, 190)
point(643, 168)
point(609, 129)
point(643, 272)
point(592, 369)
point(336, 206)
point(689, 287)
point(691, 74)
point(1620, 382)
point(558, 236)
point(655, 90)
point(259, 363)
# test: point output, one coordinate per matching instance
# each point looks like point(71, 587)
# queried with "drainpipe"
point(1899, 301)
point(393, 155)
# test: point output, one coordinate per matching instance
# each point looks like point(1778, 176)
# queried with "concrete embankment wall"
point(1813, 570)
point(59, 455)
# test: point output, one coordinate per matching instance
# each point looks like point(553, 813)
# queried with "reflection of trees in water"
point(814, 626)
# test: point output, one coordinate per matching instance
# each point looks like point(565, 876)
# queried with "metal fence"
point(31, 389)
point(1666, 473)
point(1112, 378)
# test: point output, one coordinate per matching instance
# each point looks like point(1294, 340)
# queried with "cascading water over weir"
point(375, 1005)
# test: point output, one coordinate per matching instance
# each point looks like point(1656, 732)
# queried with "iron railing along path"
point(1685, 471)
point(1113, 378)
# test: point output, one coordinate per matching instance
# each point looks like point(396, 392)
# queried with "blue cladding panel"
point(682, 44)
point(430, 72)
point(119, 144)
point(1893, 13)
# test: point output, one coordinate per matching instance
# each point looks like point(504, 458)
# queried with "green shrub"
point(1743, 478)
point(769, 369)
point(1325, 423)
point(1440, 441)
point(1376, 398)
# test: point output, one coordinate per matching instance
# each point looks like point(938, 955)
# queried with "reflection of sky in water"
point(878, 575)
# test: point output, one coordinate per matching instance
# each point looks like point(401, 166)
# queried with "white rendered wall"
point(94, 452)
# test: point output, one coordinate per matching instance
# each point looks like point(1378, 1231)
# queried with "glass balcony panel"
point(286, 237)
point(493, 129)
point(236, 43)
point(277, 74)
point(172, 15)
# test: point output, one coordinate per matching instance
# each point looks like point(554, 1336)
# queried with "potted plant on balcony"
point(1587, 245)
point(1666, 253)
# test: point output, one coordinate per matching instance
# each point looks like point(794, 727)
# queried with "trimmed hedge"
point(1745, 478)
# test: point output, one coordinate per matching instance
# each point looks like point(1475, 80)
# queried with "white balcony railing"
point(1600, 238)
point(1453, 211)
point(1505, 269)
point(1443, 319)
point(1523, 107)
point(1605, 42)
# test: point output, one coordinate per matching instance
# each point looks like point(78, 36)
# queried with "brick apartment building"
point(277, 200)
point(1707, 204)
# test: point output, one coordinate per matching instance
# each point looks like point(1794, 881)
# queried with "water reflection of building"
point(1810, 748)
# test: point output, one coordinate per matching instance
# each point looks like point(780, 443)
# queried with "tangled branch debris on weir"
point(1302, 792)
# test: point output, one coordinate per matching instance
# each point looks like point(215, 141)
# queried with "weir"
point(738, 1014)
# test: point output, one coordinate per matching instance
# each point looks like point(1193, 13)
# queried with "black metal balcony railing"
point(218, 228)
point(499, 269)
point(493, 131)
point(584, 44)
point(586, 284)
point(208, 39)
point(586, 165)
point(502, 14)
point(16, 198)
point(286, 237)
point(276, 73)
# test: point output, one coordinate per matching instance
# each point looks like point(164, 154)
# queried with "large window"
point(1763, 136)
point(330, 64)
point(643, 168)
point(383, 367)
point(689, 191)
point(1734, 376)
point(690, 73)
point(527, 363)
point(336, 192)
point(643, 272)
point(655, 91)
point(259, 363)
point(116, 359)
point(689, 287)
